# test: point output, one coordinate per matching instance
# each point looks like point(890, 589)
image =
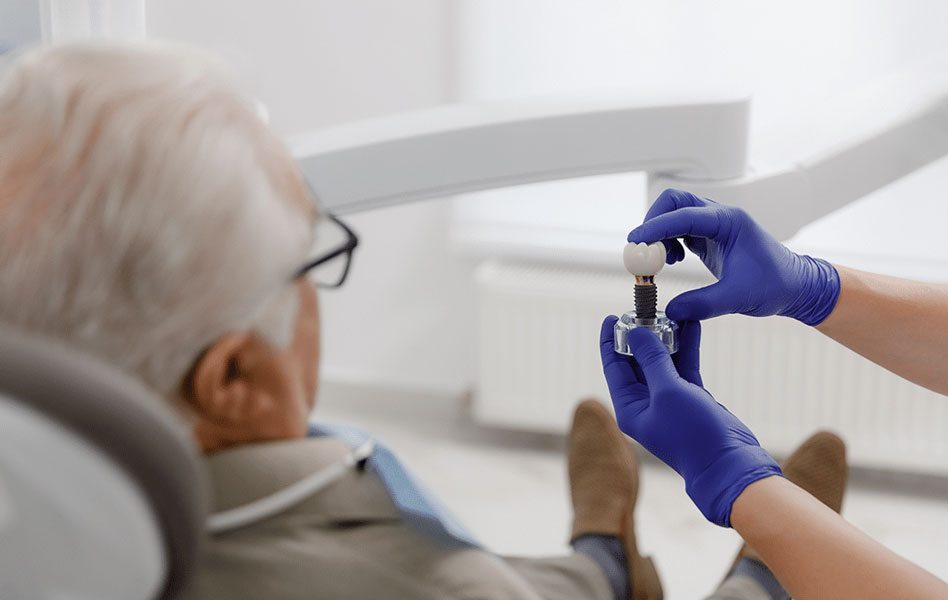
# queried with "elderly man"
point(148, 217)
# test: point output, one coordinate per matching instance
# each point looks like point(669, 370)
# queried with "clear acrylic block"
point(662, 326)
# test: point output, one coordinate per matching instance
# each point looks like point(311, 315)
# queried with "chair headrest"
point(125, 424)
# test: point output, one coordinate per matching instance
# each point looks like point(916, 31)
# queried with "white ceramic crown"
point(644, 259)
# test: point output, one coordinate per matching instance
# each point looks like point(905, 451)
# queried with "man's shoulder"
point(295, 558)
point(248, 472)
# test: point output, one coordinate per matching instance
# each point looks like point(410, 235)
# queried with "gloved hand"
point(757, 275)
point(660, 403)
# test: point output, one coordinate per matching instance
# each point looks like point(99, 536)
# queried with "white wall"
point(321, 62)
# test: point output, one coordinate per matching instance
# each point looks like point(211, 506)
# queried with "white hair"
point(145, 210)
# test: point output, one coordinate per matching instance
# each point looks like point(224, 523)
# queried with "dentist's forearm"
point(899, 324)
point(816, 554)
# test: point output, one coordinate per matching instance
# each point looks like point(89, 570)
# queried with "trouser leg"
point(750, 580)
point(739, 588)
point(567, 577)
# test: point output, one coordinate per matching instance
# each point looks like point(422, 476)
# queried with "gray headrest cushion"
point(127, 422)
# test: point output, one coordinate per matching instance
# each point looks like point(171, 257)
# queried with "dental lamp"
point(697, 142)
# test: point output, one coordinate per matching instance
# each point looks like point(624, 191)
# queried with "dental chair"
point(101, 491)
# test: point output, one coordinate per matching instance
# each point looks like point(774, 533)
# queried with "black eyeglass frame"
point(352, 240)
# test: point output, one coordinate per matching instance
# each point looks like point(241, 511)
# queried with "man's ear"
point(245, 390)
point(217, 387)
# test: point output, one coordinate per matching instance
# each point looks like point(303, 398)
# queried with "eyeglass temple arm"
point(700, 144)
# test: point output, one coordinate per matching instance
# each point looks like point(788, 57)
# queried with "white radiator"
point(538, 355)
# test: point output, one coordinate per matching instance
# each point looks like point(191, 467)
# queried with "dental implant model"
point(645, 261)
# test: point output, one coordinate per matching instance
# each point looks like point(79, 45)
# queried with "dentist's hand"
point(660, 403)
point(757, 275)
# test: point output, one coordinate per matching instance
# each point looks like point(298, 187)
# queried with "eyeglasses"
point(332, 253)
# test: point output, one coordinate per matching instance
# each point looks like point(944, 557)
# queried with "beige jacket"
point(349, 542)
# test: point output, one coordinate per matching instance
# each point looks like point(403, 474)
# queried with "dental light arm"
point(864, 141)
point(699, 145)
point(465, 148)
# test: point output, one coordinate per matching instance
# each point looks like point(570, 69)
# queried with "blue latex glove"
point(660, 403)
point(757, 275)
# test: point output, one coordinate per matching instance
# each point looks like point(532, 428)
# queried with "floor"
point(510, 489)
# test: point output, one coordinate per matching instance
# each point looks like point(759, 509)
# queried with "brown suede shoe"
point(818, 466)
point(604, 483)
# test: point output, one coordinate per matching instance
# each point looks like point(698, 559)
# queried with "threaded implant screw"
point(646, 299)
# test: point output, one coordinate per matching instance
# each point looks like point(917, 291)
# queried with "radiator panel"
point(537, 350)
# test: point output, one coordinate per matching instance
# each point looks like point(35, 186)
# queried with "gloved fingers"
point(668, 201)
point(674, 252)
point(693, 221)
point(687, 360)
point(703, 303)
point(617, 367)
point(632, 414)
point(672, 199)
point(653, 358)
point(697, 245)
point(632, 400)
point(639, 375)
